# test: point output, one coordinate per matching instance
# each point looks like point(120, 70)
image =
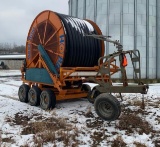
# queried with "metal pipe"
point(121, 26)
point(157, 39)
point(147, 39)
point(121, 22)
point(76, 8)
point(135, 32)
point(107, 26)
point(84, 9)
point(95, 11)
point(135, 24)
point(69, 8)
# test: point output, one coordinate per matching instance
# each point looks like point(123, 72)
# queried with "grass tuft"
point(138, 144)
point(132, 122)
point(118, 142)
point(52, 130)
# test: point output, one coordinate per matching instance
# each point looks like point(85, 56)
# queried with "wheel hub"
point(105, 108)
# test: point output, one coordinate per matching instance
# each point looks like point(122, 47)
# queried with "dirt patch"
point(94, 123)
point(138, 144)
point(97, 137)
point(118, 142)
point(157, 143)
point(8, 140)
point(20, 119)
point(133, 123)
point(51, 130)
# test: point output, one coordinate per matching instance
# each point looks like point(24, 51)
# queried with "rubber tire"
point(92, 100)
point(23, 97)
point(36, 100)
point(51, 99)
point(112, 101)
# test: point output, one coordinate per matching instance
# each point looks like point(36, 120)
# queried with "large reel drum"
point(62, 37)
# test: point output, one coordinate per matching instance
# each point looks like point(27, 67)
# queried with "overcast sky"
point(16, 17)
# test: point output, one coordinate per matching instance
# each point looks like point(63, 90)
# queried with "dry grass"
point(19, 119)
point(97, 137)
point(52, 130)
point(127, 111)
point(0, 137)
point(56, 129)
point(137, 103)
point(9, 140)
point(118, 142)
point(138, 144)
point(158, 119)
point(132, 122)
point(154, 104)
point(157, 143)
point(94, 123)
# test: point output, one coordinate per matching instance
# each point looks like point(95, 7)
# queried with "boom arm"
point(119, 46)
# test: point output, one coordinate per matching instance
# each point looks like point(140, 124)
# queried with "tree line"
point(6, 48)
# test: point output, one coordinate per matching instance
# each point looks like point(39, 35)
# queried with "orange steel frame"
point(65, 73)
point(59, 86)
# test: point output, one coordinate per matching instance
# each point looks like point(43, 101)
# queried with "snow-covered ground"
point(9, 73)
point(75, 123)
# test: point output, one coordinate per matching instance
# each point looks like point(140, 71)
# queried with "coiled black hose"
point(80, 51)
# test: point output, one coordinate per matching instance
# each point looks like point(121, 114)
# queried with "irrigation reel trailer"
point(60, 59)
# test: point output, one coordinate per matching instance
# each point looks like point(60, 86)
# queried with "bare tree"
point(6, 48)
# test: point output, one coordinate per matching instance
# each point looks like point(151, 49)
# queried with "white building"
point(136, 23)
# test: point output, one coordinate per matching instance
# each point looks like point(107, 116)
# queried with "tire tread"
point(113, 100)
